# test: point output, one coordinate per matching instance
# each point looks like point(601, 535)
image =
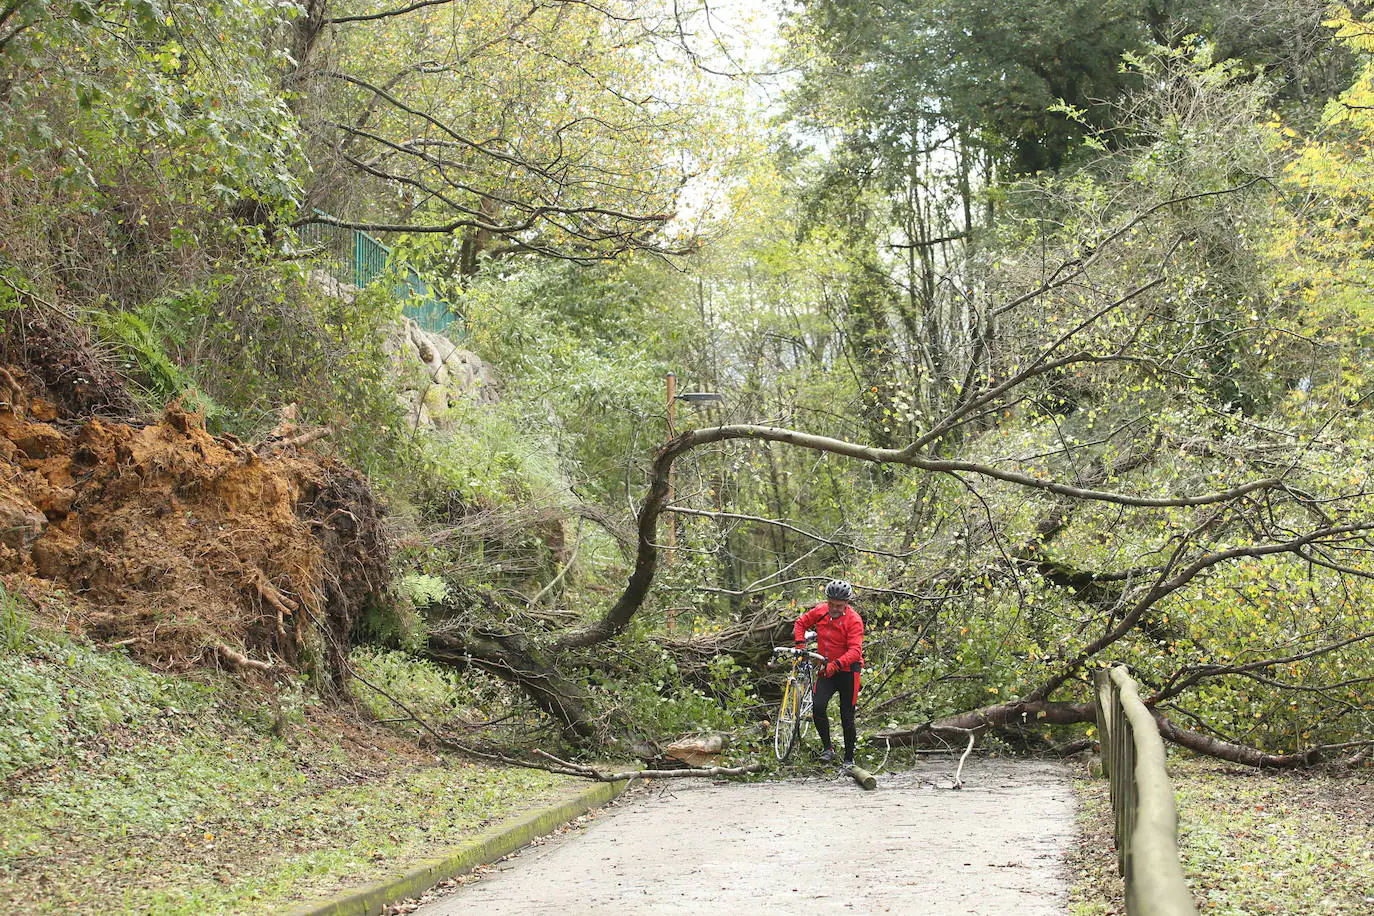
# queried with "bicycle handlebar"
point(788, 650)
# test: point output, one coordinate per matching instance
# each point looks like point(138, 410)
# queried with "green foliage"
point(1325, 245)
point(240, 346)
point(651, 698)
point(445, 698)
point(1250, 842)
point(109, 767)
point(182, 89)
point(541, 323)
point(141, 335)
point(1027, 82)
point(493, 460)
point(58, 697)
point(997, 72)
point(968, 158)
point(15, 631)
point(399, 622)
point(422, 589)
point(595, 146)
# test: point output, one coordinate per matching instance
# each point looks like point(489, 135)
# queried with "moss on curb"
point(488, 846)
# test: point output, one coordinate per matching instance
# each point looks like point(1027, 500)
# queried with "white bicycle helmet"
point(839, 590)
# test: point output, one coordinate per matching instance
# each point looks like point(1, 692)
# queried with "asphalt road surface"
point(807, 846)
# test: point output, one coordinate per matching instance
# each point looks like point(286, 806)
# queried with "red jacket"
point(839, 640)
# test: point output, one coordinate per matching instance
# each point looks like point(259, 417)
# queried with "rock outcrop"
point(436, 375)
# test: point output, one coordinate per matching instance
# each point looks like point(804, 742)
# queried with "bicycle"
point(794, 713)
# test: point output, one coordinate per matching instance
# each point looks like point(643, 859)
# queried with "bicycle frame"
point(794, 712)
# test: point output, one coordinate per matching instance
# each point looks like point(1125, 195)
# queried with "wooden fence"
point(1142, 799)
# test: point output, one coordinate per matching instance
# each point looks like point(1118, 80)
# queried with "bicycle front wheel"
point(788, 722)
point(806, 694)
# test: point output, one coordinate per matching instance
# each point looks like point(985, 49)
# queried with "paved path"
point(811, 846)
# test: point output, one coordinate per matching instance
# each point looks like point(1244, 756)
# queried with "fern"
point(142, 337)
point(422, 589)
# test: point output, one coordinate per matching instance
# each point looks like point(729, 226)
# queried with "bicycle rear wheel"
point(787, 725)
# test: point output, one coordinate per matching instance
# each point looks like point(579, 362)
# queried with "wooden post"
point(671, 540)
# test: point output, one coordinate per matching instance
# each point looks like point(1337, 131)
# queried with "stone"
point(436, 374)
point(39, 441)
point(20, 522)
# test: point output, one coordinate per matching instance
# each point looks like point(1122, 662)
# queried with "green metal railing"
point(1142, 799)
point(358, 258)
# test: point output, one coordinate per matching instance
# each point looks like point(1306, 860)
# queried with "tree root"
point(239, 660)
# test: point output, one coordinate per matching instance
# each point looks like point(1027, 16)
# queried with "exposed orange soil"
point(184, 546)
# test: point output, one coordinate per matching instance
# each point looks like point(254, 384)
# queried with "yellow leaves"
point(1354, 32)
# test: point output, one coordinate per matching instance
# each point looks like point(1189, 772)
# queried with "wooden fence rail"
point(1142, 799)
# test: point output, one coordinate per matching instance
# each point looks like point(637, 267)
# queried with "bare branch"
point(1092, 250)
point(577, 769)
point(745, 592)
point(682, 510)
point(386, 14)
point(1166, 587)
point(1187, 677)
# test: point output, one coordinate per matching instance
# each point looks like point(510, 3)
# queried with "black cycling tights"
point(843, 684)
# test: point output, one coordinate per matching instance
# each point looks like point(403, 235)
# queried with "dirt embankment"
point(183, 546)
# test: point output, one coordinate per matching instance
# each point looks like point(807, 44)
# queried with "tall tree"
point(516, 126)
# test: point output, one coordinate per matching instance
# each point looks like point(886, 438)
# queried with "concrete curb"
point(488, 846)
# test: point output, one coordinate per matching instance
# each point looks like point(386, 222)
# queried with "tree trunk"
point(512, 658)
point(1001, 715)
point(1236, 753)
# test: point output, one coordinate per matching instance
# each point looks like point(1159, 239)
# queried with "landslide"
point(185, 547)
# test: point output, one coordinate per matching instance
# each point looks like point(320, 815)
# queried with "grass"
point(129, 791)
point(1251, 842)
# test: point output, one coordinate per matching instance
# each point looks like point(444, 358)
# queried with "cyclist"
point(840, 638)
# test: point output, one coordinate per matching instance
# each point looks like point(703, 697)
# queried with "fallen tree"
point(1250, 500)
point(516, 659)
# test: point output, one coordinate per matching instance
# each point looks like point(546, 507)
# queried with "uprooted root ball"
point(182, 545)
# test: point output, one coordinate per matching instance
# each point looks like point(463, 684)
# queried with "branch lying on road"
point(560, 766)
point(577, 769)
